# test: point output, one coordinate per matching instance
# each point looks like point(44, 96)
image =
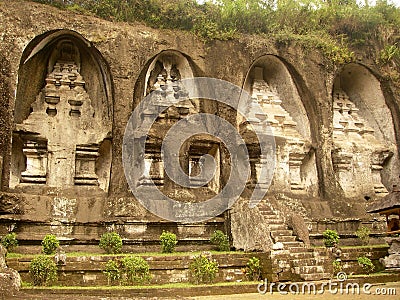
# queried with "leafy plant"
point(168, 242)
point(389, 53)
point(253, 269)
point(366, 264)
point(112, 271)
point(43, 270)
point(331, 237)
point(203, 269)
point(337, 266)
point(363, 234)
point(221, 240)
point(111, 242)
point(50, 243)
point(135, 270)
point(9, 241)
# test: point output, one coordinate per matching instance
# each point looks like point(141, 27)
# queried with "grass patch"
point(371, 274)
point(26, 285)
point(14, 255)
point(365, 246)
point(356, 247)
point(154, 254)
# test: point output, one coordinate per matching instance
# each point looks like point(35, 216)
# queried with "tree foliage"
point(332, 23)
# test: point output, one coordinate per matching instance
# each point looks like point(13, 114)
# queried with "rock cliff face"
point(69, 83)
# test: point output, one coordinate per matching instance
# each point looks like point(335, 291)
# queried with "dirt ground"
point(389, 291)
point(377, 291)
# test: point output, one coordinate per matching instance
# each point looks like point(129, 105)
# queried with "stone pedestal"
point(153, 170)
point(85, 164)
point(295, 162)
point(377, 160)
point(36, 162)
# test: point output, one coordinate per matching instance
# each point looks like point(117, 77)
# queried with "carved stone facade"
point(164, 87)
point(358, 156)
point(76, 88)
point(63, 132)
point(291, 146)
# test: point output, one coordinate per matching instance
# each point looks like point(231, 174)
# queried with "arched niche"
point(169, 60)
point(272, 87)
point(173, 62)
point(162, 77)
point(362, 116)
point(39, 57)
point(280, 81)
point(63, 114)
point(365, 92)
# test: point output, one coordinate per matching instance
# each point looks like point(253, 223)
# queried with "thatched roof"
point(389, 202)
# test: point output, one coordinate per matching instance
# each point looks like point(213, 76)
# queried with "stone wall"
point(336, 127)
point(88, 271)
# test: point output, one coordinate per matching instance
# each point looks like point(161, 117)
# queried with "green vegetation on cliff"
point(330, 25)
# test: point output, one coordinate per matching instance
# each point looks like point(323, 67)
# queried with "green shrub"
point(203, 270)
point(331, 237)
point(50, 244)
point(135, 270)
point(168, 242)
point(43, 270)
point(112, 271)
point(363, 234)
point(337, 266)
point(366, 264)
point(221, 240)
point(9, 241)
point(111, 242)
point(253, 269)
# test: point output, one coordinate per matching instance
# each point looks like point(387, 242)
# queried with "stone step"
point(305, 259)
point(302, 255)
point(284, 238)
point(262, 208)
point(267, 218)
point(308, 269)
point(273, 221)
point(304, 262)
point(296, 246)
point(315, 276)
point(279, 232)
point(274, 227)
point(301, 250)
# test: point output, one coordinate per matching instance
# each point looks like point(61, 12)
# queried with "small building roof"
point(388, 203)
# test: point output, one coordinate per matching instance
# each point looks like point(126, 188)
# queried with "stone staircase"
point(293, 261)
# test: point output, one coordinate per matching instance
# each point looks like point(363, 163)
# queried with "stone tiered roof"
point(389, 202)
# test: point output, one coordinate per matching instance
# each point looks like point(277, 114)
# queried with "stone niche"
point(272, 88)
point(364, 151)
point(62, 135)
point(163, 83)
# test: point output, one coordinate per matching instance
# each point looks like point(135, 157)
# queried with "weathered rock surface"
point(10, 280)
point(248, 228)
point(299, 227)
point(11, 203)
